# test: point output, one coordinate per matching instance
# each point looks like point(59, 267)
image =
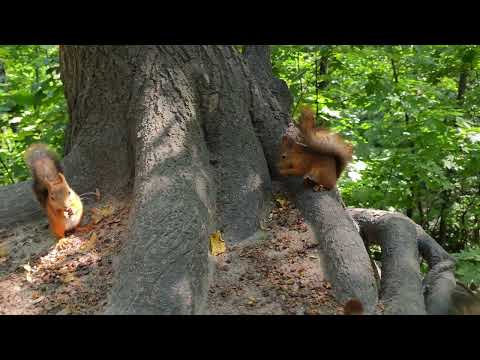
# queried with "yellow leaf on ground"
point(69, 277)
point(99, 214)
point(217, 244)
point(107, 210)
point(29, 277)
point(27, 267)
point(96, 215)
point(281, 201)
point(90, 243)
point(3, 250)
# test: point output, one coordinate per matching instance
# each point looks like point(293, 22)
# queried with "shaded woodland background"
point(411, 111)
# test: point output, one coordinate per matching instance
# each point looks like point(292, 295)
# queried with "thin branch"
point(395, 73)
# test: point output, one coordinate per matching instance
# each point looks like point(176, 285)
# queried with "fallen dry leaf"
point(3, 251)
point(252, 301)
point(99, 214)
point(90, 243)
point(27, 267)
point(107, 210)
point(69, 277)
point(96, 216)
point(37, 300)
point(217, 244)
point(281, 201)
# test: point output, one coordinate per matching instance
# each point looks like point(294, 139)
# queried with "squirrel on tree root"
point(321, 158)
point(353, 307)
point(62, 205)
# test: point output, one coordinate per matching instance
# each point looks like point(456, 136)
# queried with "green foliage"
point(32, 105)
point(415, 127)
point(468, 265)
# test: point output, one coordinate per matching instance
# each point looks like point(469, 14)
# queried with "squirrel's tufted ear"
point(49, 185)
point(62, 178)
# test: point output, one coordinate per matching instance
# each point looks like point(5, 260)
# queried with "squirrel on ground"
point(320, 158)
point(353, 307)
point(62, 205)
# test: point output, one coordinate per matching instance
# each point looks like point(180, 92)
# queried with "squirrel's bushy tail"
point(324, 141)
point(42, 162)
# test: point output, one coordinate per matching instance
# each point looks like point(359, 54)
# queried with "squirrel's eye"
point(69, 193)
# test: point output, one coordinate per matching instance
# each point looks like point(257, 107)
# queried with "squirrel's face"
point(284, 161)
point(291, 156)
point(59, 195)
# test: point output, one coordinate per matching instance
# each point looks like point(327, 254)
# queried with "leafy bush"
point(32, 105)
point(414, 123)
point(468, 265)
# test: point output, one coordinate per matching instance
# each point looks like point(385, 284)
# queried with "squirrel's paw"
point(62, 244)
point(318, 188)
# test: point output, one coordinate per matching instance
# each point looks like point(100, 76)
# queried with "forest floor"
point(37, 276)
point(276, 271)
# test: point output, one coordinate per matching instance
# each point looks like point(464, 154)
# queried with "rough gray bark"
point(439, 284)
point(347, 262)
point(270, 115)
point(401, 284)
point(192, 120)
point(18, 204)
point(403, 242)
point(98, 145)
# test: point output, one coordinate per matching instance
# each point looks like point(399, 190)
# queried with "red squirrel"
point(321, 158)
point(61, 204)
point(353, 307)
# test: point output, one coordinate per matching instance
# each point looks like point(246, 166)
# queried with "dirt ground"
point(276, 271)
point(38, 277)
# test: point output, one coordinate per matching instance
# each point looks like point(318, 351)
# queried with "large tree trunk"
point(191, 135)
point(180, 126)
